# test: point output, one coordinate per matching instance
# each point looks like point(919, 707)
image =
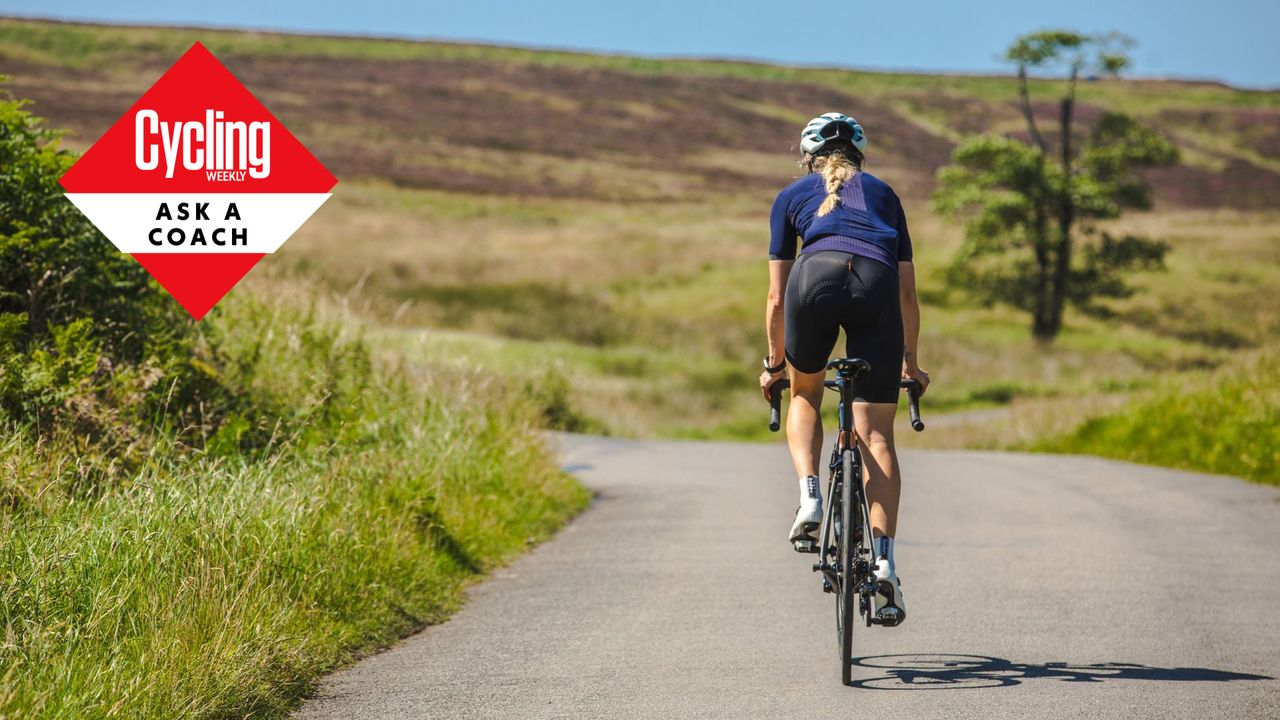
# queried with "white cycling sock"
point(884, 552)
point(809, 492)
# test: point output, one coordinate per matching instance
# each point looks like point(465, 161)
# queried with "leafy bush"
point(87, 342)
point(549, 394)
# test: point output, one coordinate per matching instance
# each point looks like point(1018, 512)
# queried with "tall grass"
point(219, 582)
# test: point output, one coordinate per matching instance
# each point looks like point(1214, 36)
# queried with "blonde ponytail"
point(836, 170)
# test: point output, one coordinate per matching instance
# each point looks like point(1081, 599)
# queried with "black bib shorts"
point(829, 290)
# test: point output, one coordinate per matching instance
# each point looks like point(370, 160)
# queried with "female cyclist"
point(854, 272)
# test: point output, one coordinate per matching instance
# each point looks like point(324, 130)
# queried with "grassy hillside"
point(406, 112)
point(623, 258)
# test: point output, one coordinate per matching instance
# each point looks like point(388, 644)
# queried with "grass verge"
point(215, 583)
point(1228, 425)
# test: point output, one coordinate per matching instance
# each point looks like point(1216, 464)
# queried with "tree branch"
point(1024, 101)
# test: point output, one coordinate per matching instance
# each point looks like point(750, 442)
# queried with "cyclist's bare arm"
point(779, 271)
point(910, 325)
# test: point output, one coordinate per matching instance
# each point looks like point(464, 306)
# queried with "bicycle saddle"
point(855, 366)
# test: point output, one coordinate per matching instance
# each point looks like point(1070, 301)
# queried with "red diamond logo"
point(198, 182)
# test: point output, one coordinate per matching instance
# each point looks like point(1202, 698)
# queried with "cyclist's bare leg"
point(804, 421)
point(874, 423)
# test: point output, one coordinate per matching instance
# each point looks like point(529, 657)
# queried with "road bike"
point(845, 559)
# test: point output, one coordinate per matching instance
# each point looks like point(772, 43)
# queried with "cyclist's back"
point(868, 220)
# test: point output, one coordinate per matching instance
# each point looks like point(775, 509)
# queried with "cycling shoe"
point(804, 531)
point(889, 605)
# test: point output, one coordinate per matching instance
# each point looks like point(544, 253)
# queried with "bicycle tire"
point(831, 552)
point(847, 556)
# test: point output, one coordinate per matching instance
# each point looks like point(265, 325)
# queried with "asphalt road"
point(1037, 587)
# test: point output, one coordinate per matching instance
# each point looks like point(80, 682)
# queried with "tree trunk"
point(1042, 326)
point(1042, 303)
point(1041, 310)
point(1066, 215)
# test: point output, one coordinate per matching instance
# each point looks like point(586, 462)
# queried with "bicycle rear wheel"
point(850, 521)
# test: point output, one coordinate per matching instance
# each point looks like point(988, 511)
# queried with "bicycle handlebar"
point(775, 402)
point(913, 403)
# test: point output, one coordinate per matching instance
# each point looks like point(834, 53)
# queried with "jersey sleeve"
point(782, 231)
point(904, 236)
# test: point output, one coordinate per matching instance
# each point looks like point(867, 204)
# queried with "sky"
point(1228, 40)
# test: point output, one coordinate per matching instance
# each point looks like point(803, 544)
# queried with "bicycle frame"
point(846, 438)
point(837, 485)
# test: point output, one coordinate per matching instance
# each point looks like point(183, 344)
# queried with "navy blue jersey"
point(869, 220)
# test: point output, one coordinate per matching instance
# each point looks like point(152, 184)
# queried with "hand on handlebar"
point(915, 373)
point(914, 381)
point(767, 380)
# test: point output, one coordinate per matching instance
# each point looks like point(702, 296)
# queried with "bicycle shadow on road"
point(960, 672)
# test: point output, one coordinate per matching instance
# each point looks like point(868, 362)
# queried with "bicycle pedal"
point(892, 618)
point(806, 546)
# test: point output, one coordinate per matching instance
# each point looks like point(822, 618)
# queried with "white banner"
point(198, 223)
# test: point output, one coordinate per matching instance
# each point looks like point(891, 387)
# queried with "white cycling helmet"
point(832, 126)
